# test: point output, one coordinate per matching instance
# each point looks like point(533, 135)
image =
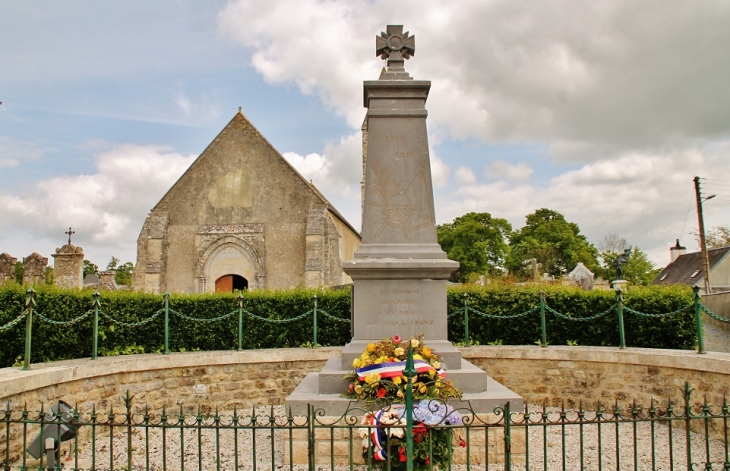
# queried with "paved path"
point(717, 339)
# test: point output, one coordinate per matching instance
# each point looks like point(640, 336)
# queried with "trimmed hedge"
point(54, 342)
point(676, 332)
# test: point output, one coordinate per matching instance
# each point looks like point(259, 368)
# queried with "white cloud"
point(14, 152)
point(501, 170)
point(605, 71)
point(464, 176)
point(106, 209)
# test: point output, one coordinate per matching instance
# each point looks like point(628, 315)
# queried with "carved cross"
point(70, 233)
point(395, 45)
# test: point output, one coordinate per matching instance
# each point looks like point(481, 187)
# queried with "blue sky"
point(603, 111)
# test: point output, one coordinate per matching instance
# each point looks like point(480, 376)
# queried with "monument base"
point(480, 393)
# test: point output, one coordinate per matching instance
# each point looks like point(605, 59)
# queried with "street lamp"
point(703, 242)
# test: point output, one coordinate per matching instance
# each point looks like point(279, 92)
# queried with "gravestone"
point(399, 272)
point(107, 280)
point(582, 277)
point(34, 269)
point(7, 268)
point(68, 267)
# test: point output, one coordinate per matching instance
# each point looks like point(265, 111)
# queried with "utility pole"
point(703, 243)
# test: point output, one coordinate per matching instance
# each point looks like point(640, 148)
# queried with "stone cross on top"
point(395, 46)
point(70, 233)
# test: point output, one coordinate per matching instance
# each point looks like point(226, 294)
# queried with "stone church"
point(242, 217)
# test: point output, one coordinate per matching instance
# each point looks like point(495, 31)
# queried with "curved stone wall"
point(246, 378)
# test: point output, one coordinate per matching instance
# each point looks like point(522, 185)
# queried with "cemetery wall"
point(269, 376)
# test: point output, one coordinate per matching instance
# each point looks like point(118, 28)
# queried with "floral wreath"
point(378, 378)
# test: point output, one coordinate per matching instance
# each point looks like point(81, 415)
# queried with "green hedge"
point(53, 342)
point(676, 332)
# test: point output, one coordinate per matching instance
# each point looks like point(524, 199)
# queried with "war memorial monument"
point(399, 272)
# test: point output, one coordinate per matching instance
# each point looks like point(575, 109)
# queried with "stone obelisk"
point(400, 271)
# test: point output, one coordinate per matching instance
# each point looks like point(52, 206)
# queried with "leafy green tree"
point(90, 268)
point(19, 269)
point(124, 274)
point(477, 242)
point(556, 243)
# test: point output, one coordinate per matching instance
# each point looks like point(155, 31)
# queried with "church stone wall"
point(241, 202)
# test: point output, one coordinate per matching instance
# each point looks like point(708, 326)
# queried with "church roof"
point(687, 268)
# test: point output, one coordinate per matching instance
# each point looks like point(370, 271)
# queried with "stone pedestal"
point(68, 267)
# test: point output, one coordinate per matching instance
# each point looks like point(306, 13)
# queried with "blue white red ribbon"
point(391, 369)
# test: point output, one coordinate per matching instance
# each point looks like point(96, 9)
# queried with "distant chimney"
point(676, 251)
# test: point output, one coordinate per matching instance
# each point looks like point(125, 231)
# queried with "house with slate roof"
point(686, 269)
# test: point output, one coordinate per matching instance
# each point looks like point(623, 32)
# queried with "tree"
point(477, 242)
point(639, 270)
point(19, 269)
point(553, 241)
point(716, 237)
point(124, 271)
point(90, 268)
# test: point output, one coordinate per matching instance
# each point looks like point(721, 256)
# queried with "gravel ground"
point(717, 339)
point(260, 452)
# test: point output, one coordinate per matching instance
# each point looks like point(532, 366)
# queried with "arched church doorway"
point(230, 283)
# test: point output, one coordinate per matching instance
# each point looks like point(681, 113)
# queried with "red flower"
point(397, 339)
point(428, 460)
point(402, 453)
point(462, 443)
point(382, 392)
point(351, 388)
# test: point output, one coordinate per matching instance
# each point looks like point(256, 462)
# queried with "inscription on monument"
point(400, 307)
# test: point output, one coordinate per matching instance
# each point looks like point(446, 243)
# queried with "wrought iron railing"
point(681, 436)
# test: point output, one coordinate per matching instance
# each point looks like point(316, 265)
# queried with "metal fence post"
point(29, 305)
point(314, 323)
point(543, 326)
point(409, 372)
point(507, 437)
point(166, 296)
point(698, 318)
point(620, 312)
point(240, 322)
point(95, 326)
point(466, 319)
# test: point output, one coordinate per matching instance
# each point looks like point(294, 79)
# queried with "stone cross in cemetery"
point(70, 233)
point(400, 271)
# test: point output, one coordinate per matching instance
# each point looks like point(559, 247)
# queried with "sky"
point(604, 111)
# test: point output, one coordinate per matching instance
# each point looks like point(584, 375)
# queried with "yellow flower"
point(380, 360)
point(417, 357)
point(399, 352)
point(426, 351)
point(372, 378)
point(371, 347)
point(356, 363)
point(423, 389)
point(436, 364)
point(365, 356)
point(415, 343)
point(397, 380)
point(399, 393)
point(358, 389)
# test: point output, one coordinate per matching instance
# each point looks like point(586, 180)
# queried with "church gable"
point(240, 215)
